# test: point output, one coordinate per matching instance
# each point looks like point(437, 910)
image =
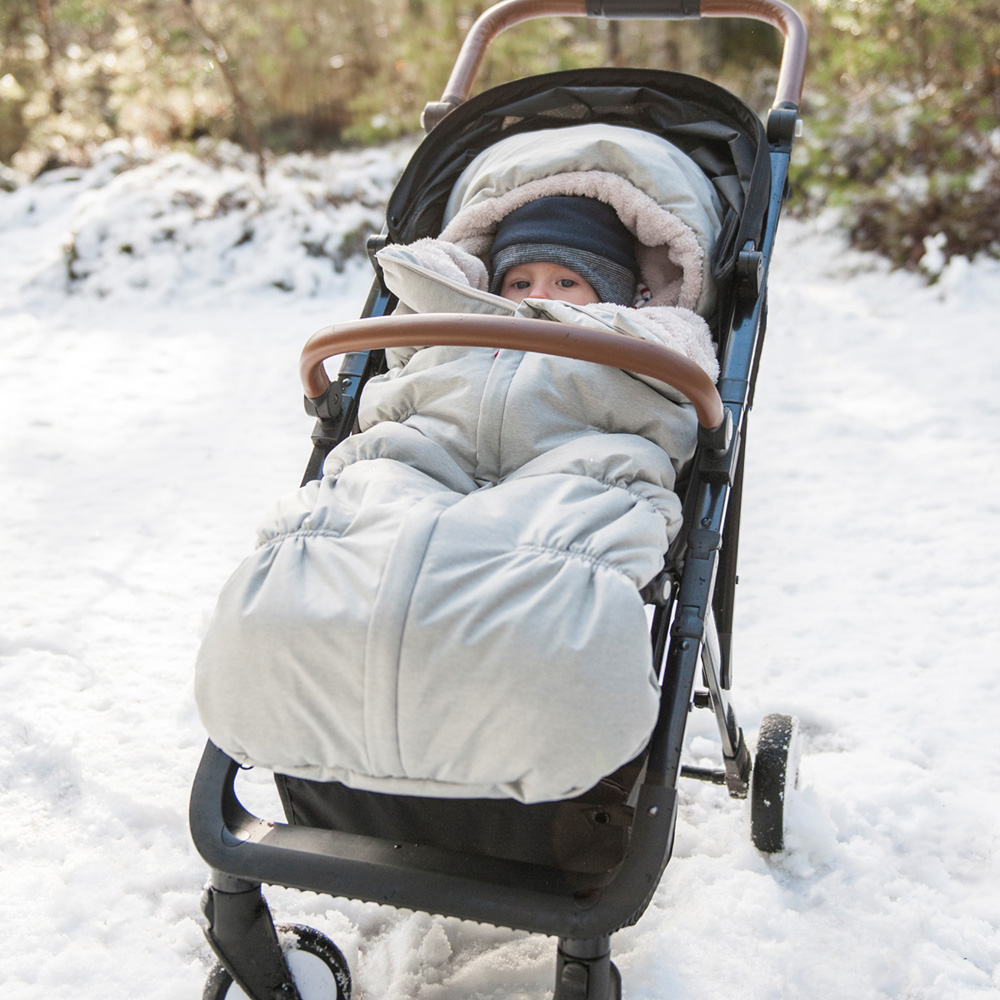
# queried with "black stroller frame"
point(693, 597)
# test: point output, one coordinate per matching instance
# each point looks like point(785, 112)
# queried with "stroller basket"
point(490, 890)
point(583, 868)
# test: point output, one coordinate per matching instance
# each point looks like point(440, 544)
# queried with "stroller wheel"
point(319, 969)
point(775, 774)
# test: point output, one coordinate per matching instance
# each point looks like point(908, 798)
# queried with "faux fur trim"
point(451, 261)
point(671, 260)
point(678, 328)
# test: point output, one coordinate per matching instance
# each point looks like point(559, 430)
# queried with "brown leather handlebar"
point(487, 26)
point(510, 12)
point(542, 336)
point(787, 20)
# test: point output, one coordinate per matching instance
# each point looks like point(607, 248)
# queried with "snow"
point(152, 412)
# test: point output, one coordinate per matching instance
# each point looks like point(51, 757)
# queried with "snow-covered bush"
point(903, 105)
point(174, 223)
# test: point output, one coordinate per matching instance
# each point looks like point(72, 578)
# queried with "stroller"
point(579, 868)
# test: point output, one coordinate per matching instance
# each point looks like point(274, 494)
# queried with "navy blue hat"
point(582, 234)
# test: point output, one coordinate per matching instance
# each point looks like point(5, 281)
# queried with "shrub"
point(905, 140)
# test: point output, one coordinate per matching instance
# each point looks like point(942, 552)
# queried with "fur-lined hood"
point(660, 195)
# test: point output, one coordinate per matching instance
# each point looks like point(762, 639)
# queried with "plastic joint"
point(750, 270)
point(434, 111)
point(782, 124)
point(738, 768)
point(327, 406)
point(718, 439)
point(674, 9)
point(701, 699)
point(659, 590)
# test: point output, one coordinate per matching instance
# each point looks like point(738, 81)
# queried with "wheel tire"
point(775, 774)
point(313, 981)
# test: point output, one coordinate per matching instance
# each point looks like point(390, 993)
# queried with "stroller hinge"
point(717, 776)
point(660, 589)
point(718, 439)
point(782, 126)
point(374, 243)
point(738, 767)
point(750, 271)
point(434, 111)
point(735, 775)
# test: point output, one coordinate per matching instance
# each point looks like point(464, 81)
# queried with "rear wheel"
point(319, 969)
point(775, 774)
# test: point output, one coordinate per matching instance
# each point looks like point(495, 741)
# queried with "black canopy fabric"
point(712, 126)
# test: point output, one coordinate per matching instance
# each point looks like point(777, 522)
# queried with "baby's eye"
point(520, 284)
point(566, 283)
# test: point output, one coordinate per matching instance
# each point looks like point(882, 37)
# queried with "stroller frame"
point(693, 599)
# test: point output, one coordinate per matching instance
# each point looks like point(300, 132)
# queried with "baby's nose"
point(539, 291)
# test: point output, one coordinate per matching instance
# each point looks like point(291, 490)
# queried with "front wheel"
point(775, 774)
point(319, 969)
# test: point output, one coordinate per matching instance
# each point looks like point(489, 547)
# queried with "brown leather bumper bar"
point(541, 336)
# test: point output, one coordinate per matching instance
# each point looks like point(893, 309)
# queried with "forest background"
point(902, 104)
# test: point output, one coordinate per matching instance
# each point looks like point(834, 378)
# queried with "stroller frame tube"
point(720, 478)
point(237, 844)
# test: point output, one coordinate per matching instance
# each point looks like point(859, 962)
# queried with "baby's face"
point(547, 281)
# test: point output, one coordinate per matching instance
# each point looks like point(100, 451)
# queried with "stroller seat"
point(454, 609)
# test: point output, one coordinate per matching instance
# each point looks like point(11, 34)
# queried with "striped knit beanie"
point(582, 234)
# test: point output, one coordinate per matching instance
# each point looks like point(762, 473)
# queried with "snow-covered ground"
point(153, 414)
